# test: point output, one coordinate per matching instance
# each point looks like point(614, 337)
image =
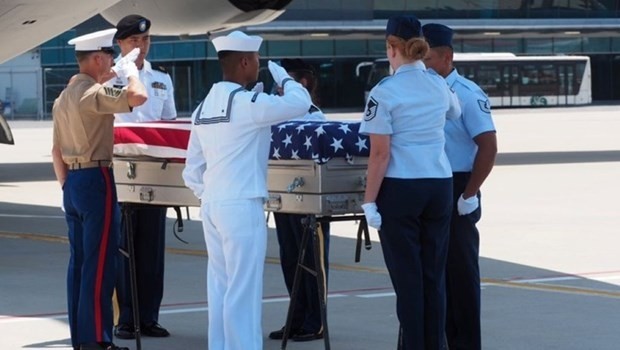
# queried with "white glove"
point(372, 215)
point(126, 67)
point(278, 73)
point(259, 87)
point(467, 206)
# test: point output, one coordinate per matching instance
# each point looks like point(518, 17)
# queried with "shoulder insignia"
point(158, 85)
point(371, 109)
point(485, 106)
point(111, 91)
point(160, 69)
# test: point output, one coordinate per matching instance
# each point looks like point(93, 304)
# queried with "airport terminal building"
point(337, 35)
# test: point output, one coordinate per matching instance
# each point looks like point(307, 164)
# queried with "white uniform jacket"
point(230, 139)
point(160, 104)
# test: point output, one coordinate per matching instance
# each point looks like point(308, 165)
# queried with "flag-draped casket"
point(314, 167)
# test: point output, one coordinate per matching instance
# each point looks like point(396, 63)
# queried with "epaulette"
point(160, 69)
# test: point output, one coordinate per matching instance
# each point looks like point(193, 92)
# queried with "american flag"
point(318, 140)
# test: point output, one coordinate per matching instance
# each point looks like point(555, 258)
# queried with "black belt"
point(92, 164)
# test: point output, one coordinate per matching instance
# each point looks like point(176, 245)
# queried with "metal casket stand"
point(129, 253)
point(327, 192)
point(150, 181)
point(312, 227)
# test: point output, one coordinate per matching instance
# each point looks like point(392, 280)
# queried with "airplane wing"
point(192, 17)
point(25, 24)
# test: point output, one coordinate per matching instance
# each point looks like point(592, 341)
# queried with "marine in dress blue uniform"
point(306, 323)
point(82, 153)
point(471, 146)
point(148, 221)
point(226, 167)
point(409, 187)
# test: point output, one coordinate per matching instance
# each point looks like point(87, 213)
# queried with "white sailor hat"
point(237, 41)
point(97, 41)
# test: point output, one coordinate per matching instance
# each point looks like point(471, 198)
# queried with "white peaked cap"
point(237, 41)
point(103, 39)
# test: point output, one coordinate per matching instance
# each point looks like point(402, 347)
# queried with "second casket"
point(314, 167)
point(317, 168)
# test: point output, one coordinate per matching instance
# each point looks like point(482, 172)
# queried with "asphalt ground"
point(550, 238)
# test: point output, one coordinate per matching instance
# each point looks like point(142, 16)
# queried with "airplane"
point(24, 24)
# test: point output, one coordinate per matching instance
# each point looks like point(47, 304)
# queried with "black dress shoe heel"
point(154, 330)
point(124, 331)
point(279, 334)
point(304, 335)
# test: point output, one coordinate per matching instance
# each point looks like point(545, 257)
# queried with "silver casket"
point(314, 167)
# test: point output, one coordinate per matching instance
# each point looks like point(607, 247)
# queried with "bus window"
point(489, 79)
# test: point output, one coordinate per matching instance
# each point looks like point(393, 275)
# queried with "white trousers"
point(236, 237)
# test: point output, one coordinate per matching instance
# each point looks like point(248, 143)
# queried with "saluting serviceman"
point(226, 167)
point(471, 146)
point(409, 186)
point(148, 221)
point(82, 154)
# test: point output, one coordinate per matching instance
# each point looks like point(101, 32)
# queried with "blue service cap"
point(405, 27)
point(437, 34)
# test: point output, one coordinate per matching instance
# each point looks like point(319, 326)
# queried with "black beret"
point(296, 65)
point(132, 25)
point(437, 34)
point(405, 27)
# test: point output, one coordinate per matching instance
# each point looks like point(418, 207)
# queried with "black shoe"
point(124, 331)
point(304, 335)
point(279, 334)
point(154, 330)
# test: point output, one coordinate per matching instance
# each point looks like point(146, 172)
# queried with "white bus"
point(511, 80)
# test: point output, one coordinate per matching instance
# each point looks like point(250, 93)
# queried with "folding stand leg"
point(296, 280)
point(130, 254)
point(310, 228)
point(321, 280)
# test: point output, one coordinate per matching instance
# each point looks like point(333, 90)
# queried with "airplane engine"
point(192, 17)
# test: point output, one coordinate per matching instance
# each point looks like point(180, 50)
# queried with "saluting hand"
point(126, 67)
point(467, 206)
point(372, 215)
point(278, 73)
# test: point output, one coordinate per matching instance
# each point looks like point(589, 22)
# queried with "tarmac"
point(550, 237)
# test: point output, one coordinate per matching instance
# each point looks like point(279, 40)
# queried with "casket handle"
point(362, 181)
point(297, 182)
point(274, 202)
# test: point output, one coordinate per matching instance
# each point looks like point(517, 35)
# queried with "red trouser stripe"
point(103, 249)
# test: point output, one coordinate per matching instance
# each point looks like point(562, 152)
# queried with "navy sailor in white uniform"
point(226, 167)
point(471, 146)
point(409, 186)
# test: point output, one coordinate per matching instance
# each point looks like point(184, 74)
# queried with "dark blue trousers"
point(93, 217)
point(414, 237)
point(289, 229)
point(149, 230)
point(463, 276)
